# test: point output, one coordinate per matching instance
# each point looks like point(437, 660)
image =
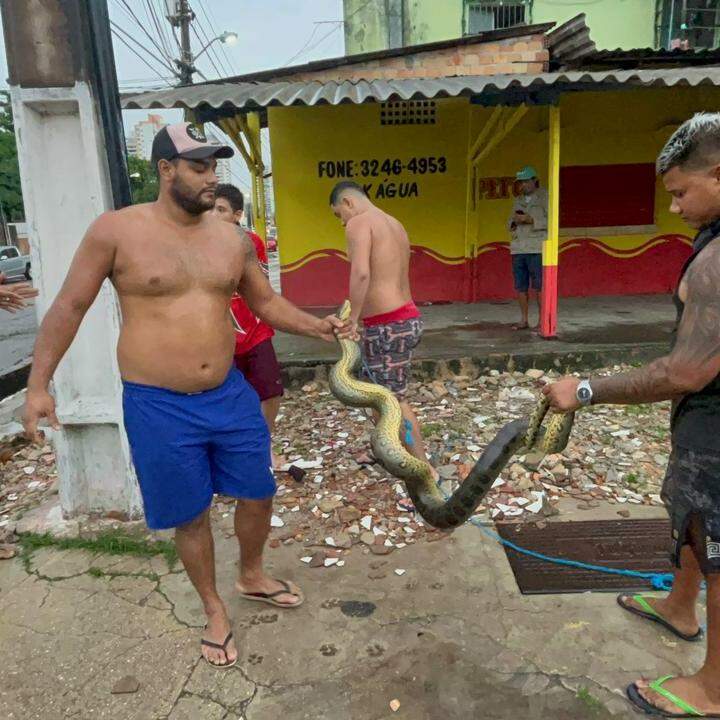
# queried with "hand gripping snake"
point(516, 436)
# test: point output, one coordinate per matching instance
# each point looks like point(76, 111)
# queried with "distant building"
point(223, 166)
point(139, 144)
point(373, 26)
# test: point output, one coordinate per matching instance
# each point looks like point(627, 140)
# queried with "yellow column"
point(548, 314)
point(258, 176)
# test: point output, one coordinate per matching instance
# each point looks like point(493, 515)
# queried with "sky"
point(272, 33)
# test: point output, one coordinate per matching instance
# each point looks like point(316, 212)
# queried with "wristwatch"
point(584, 393)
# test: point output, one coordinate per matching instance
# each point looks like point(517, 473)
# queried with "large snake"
point(435, 509)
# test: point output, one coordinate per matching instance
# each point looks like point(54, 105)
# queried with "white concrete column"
point(63, 166)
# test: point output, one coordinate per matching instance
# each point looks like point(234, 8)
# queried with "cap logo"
point(196, 134)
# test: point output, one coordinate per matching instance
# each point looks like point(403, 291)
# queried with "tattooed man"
point(689, 376)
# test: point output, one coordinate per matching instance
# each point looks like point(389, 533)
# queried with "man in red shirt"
point(254, 353)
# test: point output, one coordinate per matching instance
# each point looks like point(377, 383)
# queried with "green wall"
point(613, 23)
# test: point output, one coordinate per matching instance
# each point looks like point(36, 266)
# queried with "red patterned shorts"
point(388, 350)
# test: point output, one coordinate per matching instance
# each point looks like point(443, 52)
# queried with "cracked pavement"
point(451, 638)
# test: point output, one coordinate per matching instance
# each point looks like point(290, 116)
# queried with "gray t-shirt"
point(529, 238)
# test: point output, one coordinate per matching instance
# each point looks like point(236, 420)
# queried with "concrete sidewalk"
point(451, 638)
point(615, 326)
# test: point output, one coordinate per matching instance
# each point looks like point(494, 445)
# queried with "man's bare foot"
point(700, 692)
point(216, 631)
point(275, 592)
point(687, 624)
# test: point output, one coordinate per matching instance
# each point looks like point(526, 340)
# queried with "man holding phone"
point(528, 230)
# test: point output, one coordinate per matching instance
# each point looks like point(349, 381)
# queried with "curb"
point(296, 373)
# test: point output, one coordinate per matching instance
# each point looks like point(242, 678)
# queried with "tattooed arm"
point(693, 362)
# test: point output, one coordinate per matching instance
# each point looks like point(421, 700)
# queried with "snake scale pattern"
point(516, 436)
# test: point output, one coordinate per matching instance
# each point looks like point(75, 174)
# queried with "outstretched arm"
point(694, 361)
point(92, 263)
point(274, 309)
point(15, 297)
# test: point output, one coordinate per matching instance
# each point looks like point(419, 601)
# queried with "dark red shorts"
point(261, 369)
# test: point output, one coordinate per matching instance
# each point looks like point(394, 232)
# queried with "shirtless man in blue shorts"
point(194, 424)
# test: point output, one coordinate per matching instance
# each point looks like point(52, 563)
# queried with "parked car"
point(13, 265)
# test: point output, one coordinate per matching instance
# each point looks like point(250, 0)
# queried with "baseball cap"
point(187, 141)
point(527, 173)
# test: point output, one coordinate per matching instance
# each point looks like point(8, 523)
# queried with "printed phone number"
point(376, 168)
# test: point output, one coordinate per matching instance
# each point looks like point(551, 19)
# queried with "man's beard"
point(191, 204)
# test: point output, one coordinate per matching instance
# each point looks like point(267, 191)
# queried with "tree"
point(10, 190)
point(143, 180)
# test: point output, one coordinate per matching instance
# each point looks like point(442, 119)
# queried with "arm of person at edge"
point(278, 312)
point(359, 241)
point(13, 298)
point(92, 264)
point(693, 363)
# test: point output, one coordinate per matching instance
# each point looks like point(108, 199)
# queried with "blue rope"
point(658, 581)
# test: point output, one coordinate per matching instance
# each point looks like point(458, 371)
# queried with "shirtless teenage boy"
point(379, 253)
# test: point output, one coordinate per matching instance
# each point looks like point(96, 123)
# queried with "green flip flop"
point(688, 711)
point(649, 613)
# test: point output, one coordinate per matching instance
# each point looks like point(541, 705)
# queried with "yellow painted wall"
point(597, 128)
point(303, 137)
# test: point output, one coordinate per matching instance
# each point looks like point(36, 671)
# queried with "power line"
point(166, 31)
point(300, 51)
point(210, 58)
point(327, 35)
point(128, 11)
point(139, 56)
point(214, 31)
point(163, 62)
point(208, 42)
point(152, 17)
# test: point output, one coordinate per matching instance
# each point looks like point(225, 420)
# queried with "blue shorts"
point(185, 447)
point(527, 271)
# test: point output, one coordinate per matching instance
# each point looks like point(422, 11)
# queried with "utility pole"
point(181, 18)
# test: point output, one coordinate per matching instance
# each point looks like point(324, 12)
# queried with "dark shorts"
point(527, 271)
point(387, 353)
point(692, 489)
point(185, 447)
point(261, 369)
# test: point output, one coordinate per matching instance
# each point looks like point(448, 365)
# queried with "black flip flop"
point(633, 693)
point(649, 614)
point(269, 598)
point(219, 646)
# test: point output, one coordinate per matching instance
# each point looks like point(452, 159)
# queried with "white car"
point(13, 265)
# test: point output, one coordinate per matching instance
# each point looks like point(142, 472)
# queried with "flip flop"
point(649, 613)
point(219, 646)
point(269, 598)
point(521, 326)
point(688, 711)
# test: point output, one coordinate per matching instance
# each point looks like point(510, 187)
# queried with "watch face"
point(583, 393)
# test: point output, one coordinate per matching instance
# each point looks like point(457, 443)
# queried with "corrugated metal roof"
point(251, 96)
point(571, 42)
point(652, 56)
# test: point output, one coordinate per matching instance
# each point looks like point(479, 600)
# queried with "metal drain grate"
point(641, 545)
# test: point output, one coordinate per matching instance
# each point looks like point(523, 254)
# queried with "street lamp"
point(187, 62)
point(226, 38)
